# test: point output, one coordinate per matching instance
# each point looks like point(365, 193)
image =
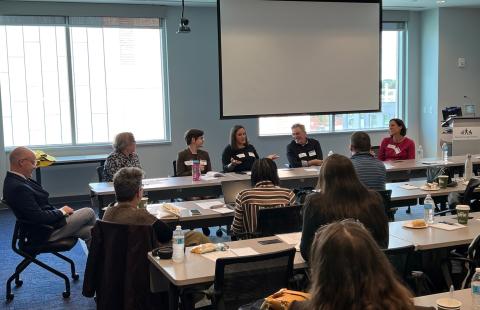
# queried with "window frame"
point(401, 91)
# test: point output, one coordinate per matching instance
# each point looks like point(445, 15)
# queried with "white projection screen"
point(280, 57)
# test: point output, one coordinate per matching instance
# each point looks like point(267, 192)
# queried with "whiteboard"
point(298, 57)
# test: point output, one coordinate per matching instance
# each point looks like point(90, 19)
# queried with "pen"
point(217, 206)
point(443, 222)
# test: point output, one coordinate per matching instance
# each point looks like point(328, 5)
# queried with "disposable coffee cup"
point(443, 181)
point(143, 203)
point(462, 214)
point(448, 304)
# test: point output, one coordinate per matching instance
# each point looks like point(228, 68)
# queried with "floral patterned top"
point(116, 161)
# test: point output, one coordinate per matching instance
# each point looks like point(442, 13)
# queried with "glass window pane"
point(269, 126)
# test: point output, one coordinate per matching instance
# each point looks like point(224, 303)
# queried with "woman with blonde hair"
point(123, 155)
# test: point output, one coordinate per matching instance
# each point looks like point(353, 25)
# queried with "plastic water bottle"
point(196, 170)
point(468, 168)
point(428, 206)
point(420, 153)
point(330, 153)
point(445, 151)
point(178, 245)
point(475, 285)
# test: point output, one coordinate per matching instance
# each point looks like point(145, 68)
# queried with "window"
point(81, 80)
point(391, 97)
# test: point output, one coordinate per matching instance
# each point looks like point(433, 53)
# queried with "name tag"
point(188, 163)
point(241, 155)
point(395, 148)
point(312, 153)
point(203, 162)
point(251, 154)
point(302, 155)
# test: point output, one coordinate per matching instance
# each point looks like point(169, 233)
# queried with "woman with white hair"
point(123, 155)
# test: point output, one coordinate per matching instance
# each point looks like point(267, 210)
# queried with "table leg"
point(173, 295)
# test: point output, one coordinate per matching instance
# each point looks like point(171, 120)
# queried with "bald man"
point(29, 201)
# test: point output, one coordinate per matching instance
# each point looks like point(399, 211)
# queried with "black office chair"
point(279, 220)
point(101, 211)
point(387, 199)
point(468, 197)
point(375, 149)
point(100, 173)
point(174, 168)
point(400, 258)
point(29, 240)
point(241, 280)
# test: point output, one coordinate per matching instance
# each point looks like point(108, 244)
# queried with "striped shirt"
point(370, 171)
point(249, 201)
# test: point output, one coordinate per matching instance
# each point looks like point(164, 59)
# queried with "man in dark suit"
point(29, 201)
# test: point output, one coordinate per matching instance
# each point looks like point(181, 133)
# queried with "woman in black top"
point(342, 196)
point(239, 155)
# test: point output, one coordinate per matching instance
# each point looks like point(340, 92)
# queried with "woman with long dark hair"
point(341, 195)
point(397, 146)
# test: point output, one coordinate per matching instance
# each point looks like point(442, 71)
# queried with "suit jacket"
point(29, 201)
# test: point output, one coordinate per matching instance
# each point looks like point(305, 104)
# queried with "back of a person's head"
point(349, 271)
point(360, 141)
point(122, 140)
point(126, 182)
point(264, 169)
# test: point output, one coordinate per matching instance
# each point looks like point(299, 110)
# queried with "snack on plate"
point(433, 185)
point(419, 223)
point(204, 248)
point(171, 208)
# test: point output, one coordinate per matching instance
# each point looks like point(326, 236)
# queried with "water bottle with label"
point(475, 285)
point(445, 151)
point(420, 153)
point(178, 245)
point(428, 207)
point(196, 170)
point(330, 153)
point(468, 168)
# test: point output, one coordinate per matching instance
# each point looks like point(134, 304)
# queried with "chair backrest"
point(470, 190)
point(240, 280)
point(278, 220)
point(174, 164)
point(100, 173)
point(400, 258)
point(375, 149)
point(387, 199)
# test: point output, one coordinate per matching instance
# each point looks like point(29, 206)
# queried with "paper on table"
point(209, 204)
point(153, 181)
point(311, 169)
point(157, 211)
point(223, 210)
point(444, 226)
point(292, 238)
point(435, 162)
point(208, 177)
point(244, 251)
point(213, 256)
point(408, 186)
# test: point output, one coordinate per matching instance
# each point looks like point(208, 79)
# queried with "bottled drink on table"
point(468, 168)
point(178, 245)
point(445, 151)
point(475, 285)
point(420, 153)
point(196, 170)
point(428, 207)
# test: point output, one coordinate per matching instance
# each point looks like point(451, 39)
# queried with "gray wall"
point(194, 102)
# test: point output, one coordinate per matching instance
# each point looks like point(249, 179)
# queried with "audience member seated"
point(123, 155)
point(239, 155)
point(127, 183)
point(266, 193)
point(349, 271)
point(370, 170)
point(341, 195)
point(29, 201)
point(397, 146)
point(303, 151)
point(194, 139)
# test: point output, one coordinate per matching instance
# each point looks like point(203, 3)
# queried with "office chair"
point(387, 199)
point(29, 240)
point(174, 168)
point(101, 211)
point(400, 258)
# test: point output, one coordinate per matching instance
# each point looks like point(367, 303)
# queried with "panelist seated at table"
point(371, 171)
point(127, 183)
point(239, 155)
point(265, 193)
point(341, 195)
point(349, 271)
point(194, 139)
point(123, 155)
point(397, 146)
point(30, 202)
point(303, 151)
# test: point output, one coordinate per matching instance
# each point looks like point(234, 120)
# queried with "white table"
point(431, 300)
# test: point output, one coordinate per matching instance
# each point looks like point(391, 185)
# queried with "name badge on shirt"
point(312, 153)
point(188, 163)
point(302, 155)
point(203, 162)
point(251, 154)
point(241, 155)
point(395, 148)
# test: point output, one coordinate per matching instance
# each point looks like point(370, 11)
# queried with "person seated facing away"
point(349, 271)
point(341, 195)
point(239, 155)
point(127, 183)
point(370, 170)
point(397, 146)
point(29, 201)
point(123, 155)
point(303, 151)
point(194, 139)
point(266, 193)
